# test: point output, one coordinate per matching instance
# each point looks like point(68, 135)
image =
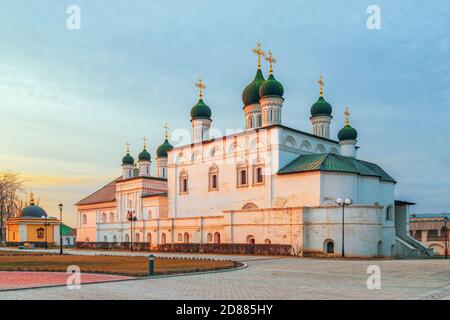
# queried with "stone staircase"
point(408, 247)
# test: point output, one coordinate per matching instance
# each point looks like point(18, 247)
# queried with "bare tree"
point(11, 203)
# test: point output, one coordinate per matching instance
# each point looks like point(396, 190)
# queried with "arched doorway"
point(138, 237)
point(393, 251)
point(250, 239)
point(105, 239)
point(186, 237)
point(149, 237)
point(379, 248)
point(127, 238)
point(114, 239)
point(328, 246)
point(163, 238)
point(216, 237)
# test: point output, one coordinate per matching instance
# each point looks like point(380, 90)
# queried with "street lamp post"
point(343, 203)
point(45, 231)
point(132, 218)
point(60, 206)
point(445, 229)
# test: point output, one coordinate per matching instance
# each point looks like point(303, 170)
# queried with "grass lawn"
point(129, 266)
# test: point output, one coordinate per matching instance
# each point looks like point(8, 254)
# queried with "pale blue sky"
point(70, 99)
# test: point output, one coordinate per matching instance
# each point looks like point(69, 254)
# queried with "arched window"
point(105, 239)
point(127, 238)
point(180, 237)
point(250, 122)
point(258, 121)
point(114, 239)
point(209, 237)
point(163, 238)
point(328, 246)
point(130, 203)
point(243, 177)
point(149, 237)
point(138, 237)
point(258, 175)
point(104, 217)
point(250, 239)
point(84, 219)
point(213, 178)
point(267, 241)
point(183, 182)
point(186, 237)
point(250, 205)
point(111, 217)
point(270, 115)
point(216, 237)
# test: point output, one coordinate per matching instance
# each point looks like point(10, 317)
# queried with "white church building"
point(269, 184)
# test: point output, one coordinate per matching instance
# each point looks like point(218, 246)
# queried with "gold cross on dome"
point(31, 198)
point(257, 50)
point(321, 83)
point(200, 85)
point(166, 130)
point(347, 113)
point(145, 142)
point(127, 147)
point(271, 60)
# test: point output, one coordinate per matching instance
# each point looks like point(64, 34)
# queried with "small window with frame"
point(213, 174)
point(258, 174)
point(242, 177)
point(40, 233)
point(183, 183)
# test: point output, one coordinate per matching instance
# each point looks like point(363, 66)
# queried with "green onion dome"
point(321, 108)
point(128, 159)
point(271, 87)
point(144, 155)
point(162, 150)
point(200, 111)
point(251, 92)
point(347, 133)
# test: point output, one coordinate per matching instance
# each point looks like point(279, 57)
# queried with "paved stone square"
point(24, 279)
point(274, 278)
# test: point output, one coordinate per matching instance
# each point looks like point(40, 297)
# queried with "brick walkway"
point(275, 278)
point(23, 279)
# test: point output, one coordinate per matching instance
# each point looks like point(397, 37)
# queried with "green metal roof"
point(335, 163)
point(65, 230)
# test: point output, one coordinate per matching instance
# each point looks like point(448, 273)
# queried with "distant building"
point(32, 226)
point(69, 235)
point(428, 229)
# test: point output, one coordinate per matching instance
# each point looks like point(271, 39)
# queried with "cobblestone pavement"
point(275, 278)
point(24, 279)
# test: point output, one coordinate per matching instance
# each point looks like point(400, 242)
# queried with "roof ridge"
point(98, 190)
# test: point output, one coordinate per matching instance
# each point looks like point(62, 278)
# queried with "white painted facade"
point(230, 190)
